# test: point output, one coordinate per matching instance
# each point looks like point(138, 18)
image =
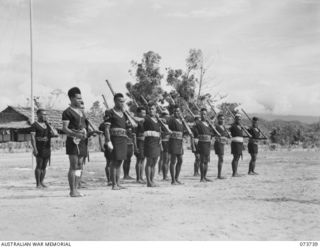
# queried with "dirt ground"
point(281, 203)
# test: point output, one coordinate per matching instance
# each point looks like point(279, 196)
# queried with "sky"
point(263, 54)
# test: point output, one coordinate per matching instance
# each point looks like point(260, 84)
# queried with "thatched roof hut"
point(15, 122)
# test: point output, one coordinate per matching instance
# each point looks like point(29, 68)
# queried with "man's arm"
point(70, 132)
point(33, 143)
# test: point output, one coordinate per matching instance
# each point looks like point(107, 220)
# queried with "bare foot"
point(174, 183)
point(39, 186)
point(75, 194)
point(115, 187)
point(178, 182)
point(208, 180)
point(121, 187)
point(221, 177)
point(236, 175)
point(255, 173)
point(43, 185)
point(203, 181)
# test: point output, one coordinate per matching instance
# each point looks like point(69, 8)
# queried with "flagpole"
point(31, 64)
point(31, 74)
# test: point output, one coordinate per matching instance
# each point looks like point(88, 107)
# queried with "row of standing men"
point(147, 141)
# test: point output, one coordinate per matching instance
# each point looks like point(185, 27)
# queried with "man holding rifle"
point(164, 155)
point(41, 134)
point(175, 145)
point(116, 138)
point(75, 127)
point(253, 145)
point(204, 134)
point(152, 143)
point(236, 143)
point(139, 153)
point(105, 150)
point(220, 142)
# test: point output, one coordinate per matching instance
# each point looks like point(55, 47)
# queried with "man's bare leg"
point(74, 174)
point(37, 172)
point(252, 164)
point(206, 170)
point(160, 162)
point(153, 171)
point(196, 164)
point(148, 172)
point(173, 161)
point(178, 168)
point(141, 166)
point(43, 171)
point(202, 169)
point(220, 163)
point(235, 162)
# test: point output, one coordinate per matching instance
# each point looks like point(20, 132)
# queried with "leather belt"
point(204, 138)
point(118, 132)
point(176, 135)
point(152, 134)
point(237, 139)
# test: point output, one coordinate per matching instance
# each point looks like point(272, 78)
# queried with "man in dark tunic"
point(196, 164)
point(204, 134)
point(139, 153)
point(176, 145)
point(75, 127)
point(105, 150)
point(41, 134)
point(236, 143)
point(152, 144)
point(253, 145)
point(219, 143)
point(132, 146)
point(164, 155)
point(116, 138)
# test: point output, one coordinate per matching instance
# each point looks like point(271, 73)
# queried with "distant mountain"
point(301, 118)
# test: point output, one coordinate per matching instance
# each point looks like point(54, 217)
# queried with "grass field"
point(281, 203)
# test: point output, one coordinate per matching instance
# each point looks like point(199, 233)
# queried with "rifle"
point(264, 137)
point(244, 129)
point(126, 113)
point(212, 109)
point(105, 102)
point(215, 116)
point(163, 126)
point(209, 122)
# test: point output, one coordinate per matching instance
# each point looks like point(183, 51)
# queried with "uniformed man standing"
point(41, 134)
point(253, 145)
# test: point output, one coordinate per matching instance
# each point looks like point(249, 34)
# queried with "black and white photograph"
point(159, 120)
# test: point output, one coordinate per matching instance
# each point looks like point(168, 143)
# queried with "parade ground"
point(281, 203)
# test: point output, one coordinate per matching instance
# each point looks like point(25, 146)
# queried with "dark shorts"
point(152, 147)
point(165, 146)
point(219, 148)
point(73, 149)
point(120, 148)
point(236, 148)
point(140, 145)
point(204, 148)
point(176, 146)
point(253, 148)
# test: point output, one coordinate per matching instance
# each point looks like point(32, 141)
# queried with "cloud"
point(214, 10)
